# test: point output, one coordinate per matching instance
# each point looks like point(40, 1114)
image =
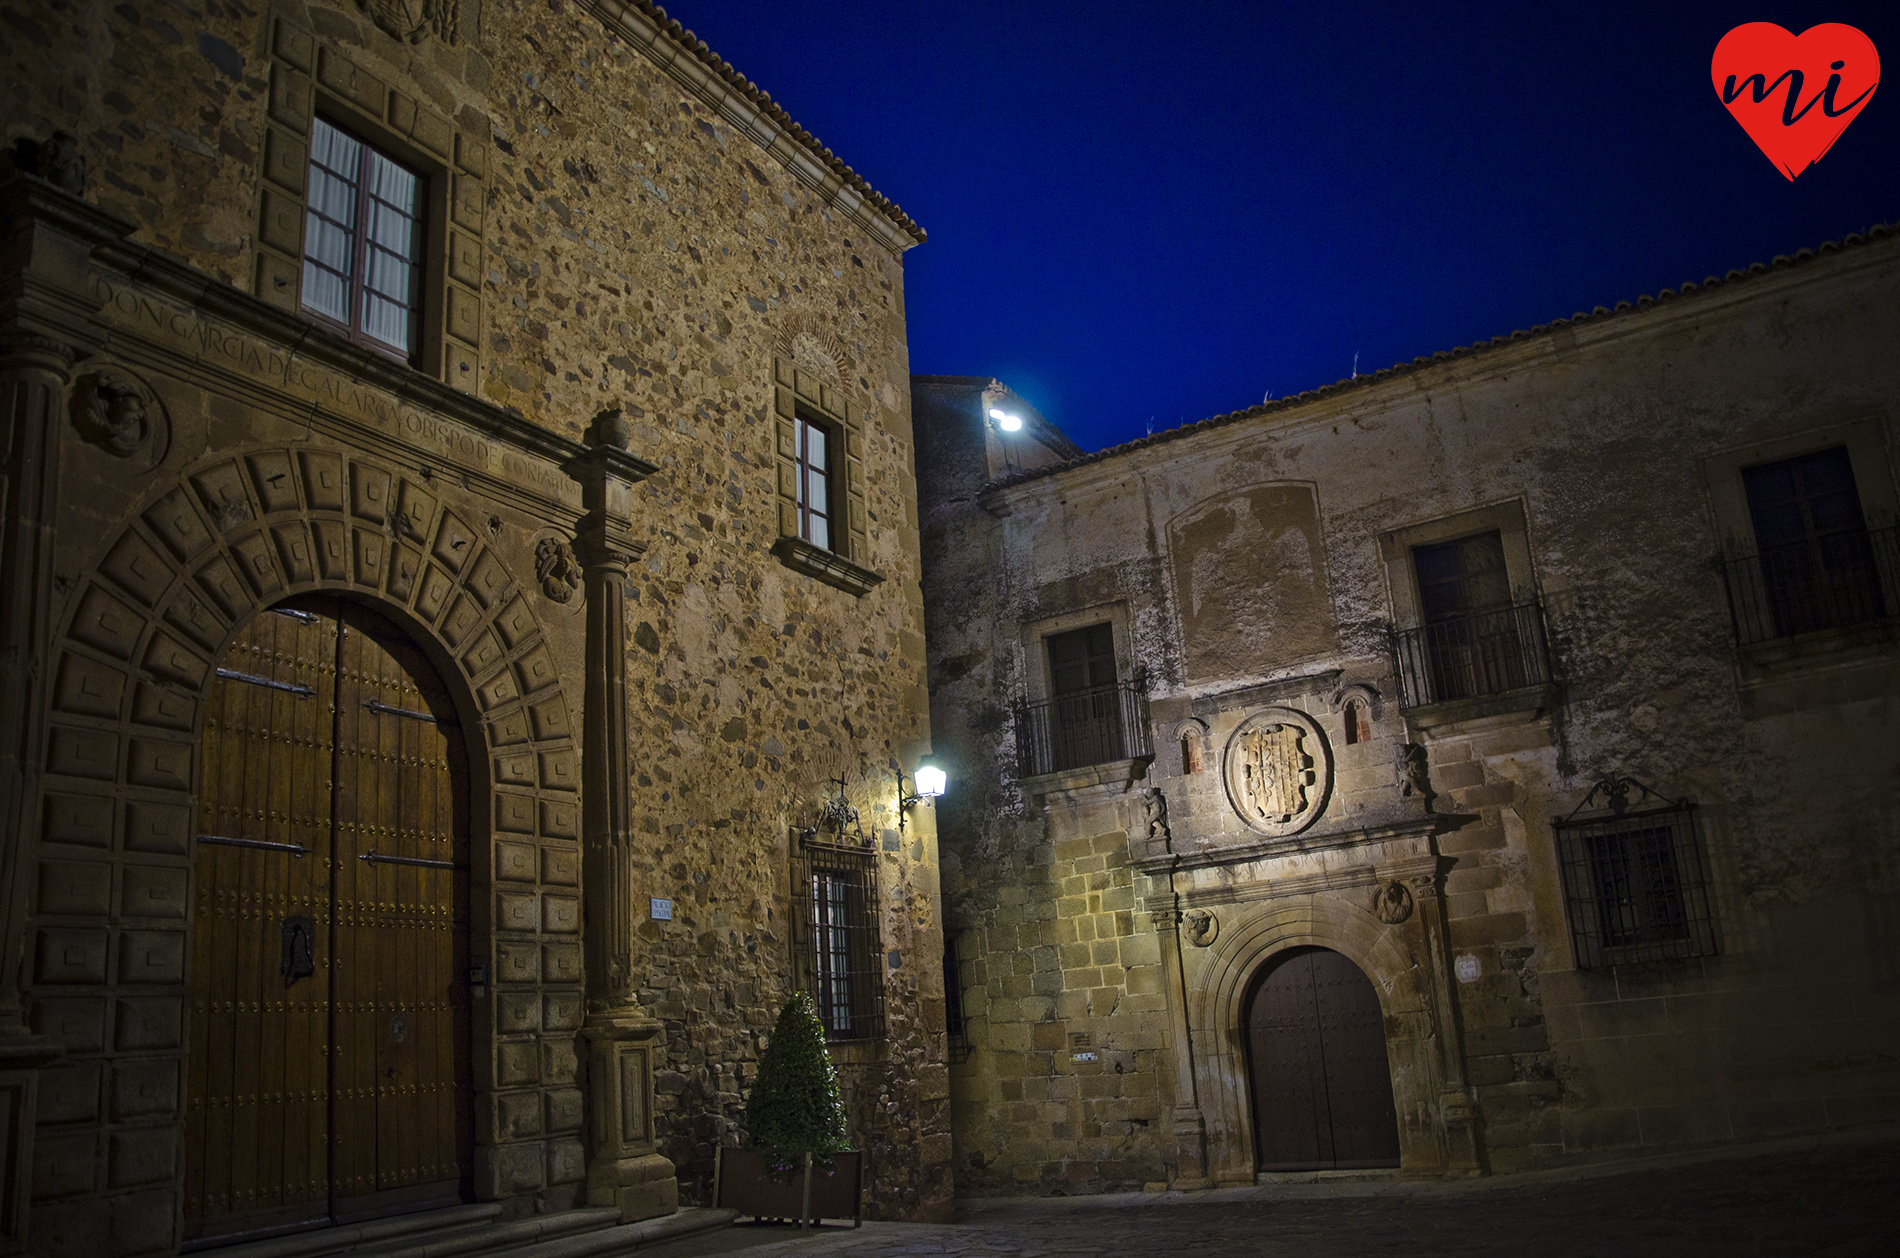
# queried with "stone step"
point(490, 1237)
point(355, 1236)
point(629, 1237)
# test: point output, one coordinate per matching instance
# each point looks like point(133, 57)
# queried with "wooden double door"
point(329, 1069)
point(1322, 1088)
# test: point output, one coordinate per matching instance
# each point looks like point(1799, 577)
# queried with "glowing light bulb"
point(1006, 421)
point(930, 781)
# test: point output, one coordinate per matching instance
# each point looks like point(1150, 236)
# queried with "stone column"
point(1190, 1128)
point(623, 1167)
point(33, 378)
point(1455, 1107)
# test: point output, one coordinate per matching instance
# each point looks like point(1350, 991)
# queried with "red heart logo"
point(1795, 94)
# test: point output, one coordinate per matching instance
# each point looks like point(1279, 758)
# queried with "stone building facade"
point(1482, 764)
point(510, 603)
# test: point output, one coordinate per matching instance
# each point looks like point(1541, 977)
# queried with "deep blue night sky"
point(1159, 212)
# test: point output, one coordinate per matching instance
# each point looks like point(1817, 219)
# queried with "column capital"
point(21, 350)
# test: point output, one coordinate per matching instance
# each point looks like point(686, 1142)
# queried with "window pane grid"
point(813, 484)
point(362, 240)
point(1636, 889)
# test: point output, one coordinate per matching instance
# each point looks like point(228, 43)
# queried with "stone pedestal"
point(623, 1169)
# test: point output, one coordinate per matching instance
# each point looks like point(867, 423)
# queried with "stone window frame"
point(1509, 519)
point(1037, 685)
point(309, 77)
point(1869, 452)
point(845, 564)
point(1506, 518)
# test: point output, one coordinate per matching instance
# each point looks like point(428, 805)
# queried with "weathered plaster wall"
point(637, 248)
point(1615, 440)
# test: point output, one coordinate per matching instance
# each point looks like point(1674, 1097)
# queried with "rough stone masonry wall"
point(638, 252)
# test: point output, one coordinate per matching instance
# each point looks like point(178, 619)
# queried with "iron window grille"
point(1072, 731)
point(840, 958)
point(1485, 652)
point(1636, 884)
point(363, 242)
point(1847, 578)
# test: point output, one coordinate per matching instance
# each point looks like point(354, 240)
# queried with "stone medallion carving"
point(412, 21)
point(556, 568)
point(119, 413)
point(1392, 903)
point(1279, 771)
point(1200, 927)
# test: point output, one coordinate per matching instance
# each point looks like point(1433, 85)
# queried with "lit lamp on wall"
point(927, 783)
point(1006, 422)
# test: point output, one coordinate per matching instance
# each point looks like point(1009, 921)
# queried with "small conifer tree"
point(795, 1108)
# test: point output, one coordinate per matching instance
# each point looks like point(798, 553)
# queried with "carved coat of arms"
point(412, 21)
point(1279, 771)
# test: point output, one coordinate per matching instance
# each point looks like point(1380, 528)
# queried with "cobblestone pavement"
point(1833, 1200)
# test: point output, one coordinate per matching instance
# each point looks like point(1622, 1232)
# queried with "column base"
point(1462, 1156)
point(641, 1187)
point(624, 1169)
point(1190, 1149)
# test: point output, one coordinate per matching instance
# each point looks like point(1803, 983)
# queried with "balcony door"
point(1471, 638)
point(1817, 562)
point(1085, 724)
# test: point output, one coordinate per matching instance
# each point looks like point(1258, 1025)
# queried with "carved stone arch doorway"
point(115, 910)
point(1222, 978)
point(1317, 1063)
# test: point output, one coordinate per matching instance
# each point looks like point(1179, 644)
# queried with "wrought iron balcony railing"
point(1480, 653)
point(1849, 578)
point(1073, 731)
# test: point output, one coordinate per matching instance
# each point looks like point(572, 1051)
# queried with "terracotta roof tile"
point(751, 91)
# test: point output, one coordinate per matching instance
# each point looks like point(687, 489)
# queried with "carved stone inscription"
point(1279, 771)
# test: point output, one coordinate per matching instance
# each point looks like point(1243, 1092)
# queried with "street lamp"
point(926, 784)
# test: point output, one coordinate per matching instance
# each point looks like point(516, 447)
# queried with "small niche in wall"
point(1190, 753)
point(1358, 722)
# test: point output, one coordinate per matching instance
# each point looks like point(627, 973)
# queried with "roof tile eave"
point(1366, 379)
point(762, 100)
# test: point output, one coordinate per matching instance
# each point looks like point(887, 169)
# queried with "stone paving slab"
point(1832, 1199)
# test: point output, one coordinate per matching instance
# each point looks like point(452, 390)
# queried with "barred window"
point(839, 957)
point(1635, 884)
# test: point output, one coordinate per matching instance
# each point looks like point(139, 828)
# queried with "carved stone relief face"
point(115, 412)
point(1200, 926)
point(1279, 771)
point(556, 568)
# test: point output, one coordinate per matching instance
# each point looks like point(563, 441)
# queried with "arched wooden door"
point(329, 1073)
point(1322, 1089)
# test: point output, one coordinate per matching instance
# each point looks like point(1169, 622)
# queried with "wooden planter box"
point(742, 1182)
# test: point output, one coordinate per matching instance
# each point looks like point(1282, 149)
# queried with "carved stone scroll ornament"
point(1279, 771)
point(556, 568)
point(1392, 903)
point(1200, 926)
point(412, 21)
point(114, 413)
